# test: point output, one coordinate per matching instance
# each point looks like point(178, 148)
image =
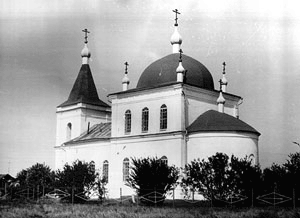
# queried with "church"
point(174, 113)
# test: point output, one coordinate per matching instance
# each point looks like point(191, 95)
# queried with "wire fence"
point(154, 197)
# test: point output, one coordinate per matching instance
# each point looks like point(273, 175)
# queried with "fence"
point(156, 197)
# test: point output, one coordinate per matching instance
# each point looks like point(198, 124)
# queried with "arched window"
point(163, 117)
point(69, 131)
point(92, 164)
point(164, 159)
point(105, 170)
point(125, 169)
point(127, 121)
point(145, 119)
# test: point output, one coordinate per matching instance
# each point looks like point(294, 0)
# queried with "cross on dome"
point(176, 18)
point(86, 35)
point(126, 67)
point(224, 65)
point(180, 55)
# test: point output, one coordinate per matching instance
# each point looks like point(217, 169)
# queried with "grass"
point(64, 210)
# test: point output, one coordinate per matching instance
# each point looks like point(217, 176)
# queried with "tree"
point(221, 178)
point(36, 180)
point(283, 178)
point(152, 178)
point(275, 179)
point(36, 175)
point(292, 167)
point(244, 175)
point(208, 177)
point(78, 178)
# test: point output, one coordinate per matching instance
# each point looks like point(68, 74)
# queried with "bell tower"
point(83, 108)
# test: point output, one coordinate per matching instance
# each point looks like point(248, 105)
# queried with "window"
point(163, 117)
point(125, 169)
point(69, 132)
point(92, 164)
point(105, 170)
point(145, 119)
point(164, 159)
point(127, 121)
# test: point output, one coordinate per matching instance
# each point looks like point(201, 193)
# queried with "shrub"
point(152, 178)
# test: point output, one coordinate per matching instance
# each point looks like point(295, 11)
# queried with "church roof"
point(101, 131)
point(163, 71)
point(84, 89)
point(212, 121)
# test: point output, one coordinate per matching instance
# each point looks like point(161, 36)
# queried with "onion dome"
point(221, 99)
point(85, 52)
point(180, 68)
point(224, 80)
point(125, 79)
point(176, 37)
point(163, 71)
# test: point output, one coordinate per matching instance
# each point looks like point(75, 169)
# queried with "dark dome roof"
point(163, 71)
point(212, 121)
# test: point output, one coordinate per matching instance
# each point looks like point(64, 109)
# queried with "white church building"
point(174, 113)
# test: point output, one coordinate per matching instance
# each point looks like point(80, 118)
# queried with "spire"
point(180, 70)
point(221, 100)
point(125, 80)
point(224, 81)
point(85, 53)
point(84, 89)
point(176, 38)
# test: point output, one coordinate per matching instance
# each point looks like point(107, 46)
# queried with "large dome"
point(163, 71)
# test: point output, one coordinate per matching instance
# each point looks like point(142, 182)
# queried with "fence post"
point(294, 199)
point(37, 192)
point(174, 197)
point(252, 198)
point(121, 195)
point(193, 195)
point(155, 196)
point(5, 188)
point(72, 195)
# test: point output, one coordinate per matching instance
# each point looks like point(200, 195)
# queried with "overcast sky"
point(41, 41)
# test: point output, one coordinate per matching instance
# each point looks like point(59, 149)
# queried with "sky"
point(41, 41)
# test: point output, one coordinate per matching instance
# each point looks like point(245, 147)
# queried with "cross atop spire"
point(126, 67)
point(86, 35)
point(176, 12)
point(224, 65)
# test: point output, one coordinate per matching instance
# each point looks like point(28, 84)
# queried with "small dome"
point(224, 80)
point(212, 121)
point(221, 99)
point(180, 68)
point(163, 71)
point(85, 51)
point(125, 79)
point(176, 37)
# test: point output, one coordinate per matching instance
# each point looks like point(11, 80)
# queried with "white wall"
point(153, 101)
point(200, 100)
point(79, 116)
point(203, 145)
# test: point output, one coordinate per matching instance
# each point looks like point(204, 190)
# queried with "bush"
point(78, 178)
point(152, 178)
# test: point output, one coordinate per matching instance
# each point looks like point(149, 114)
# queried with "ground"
point(112, 209)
